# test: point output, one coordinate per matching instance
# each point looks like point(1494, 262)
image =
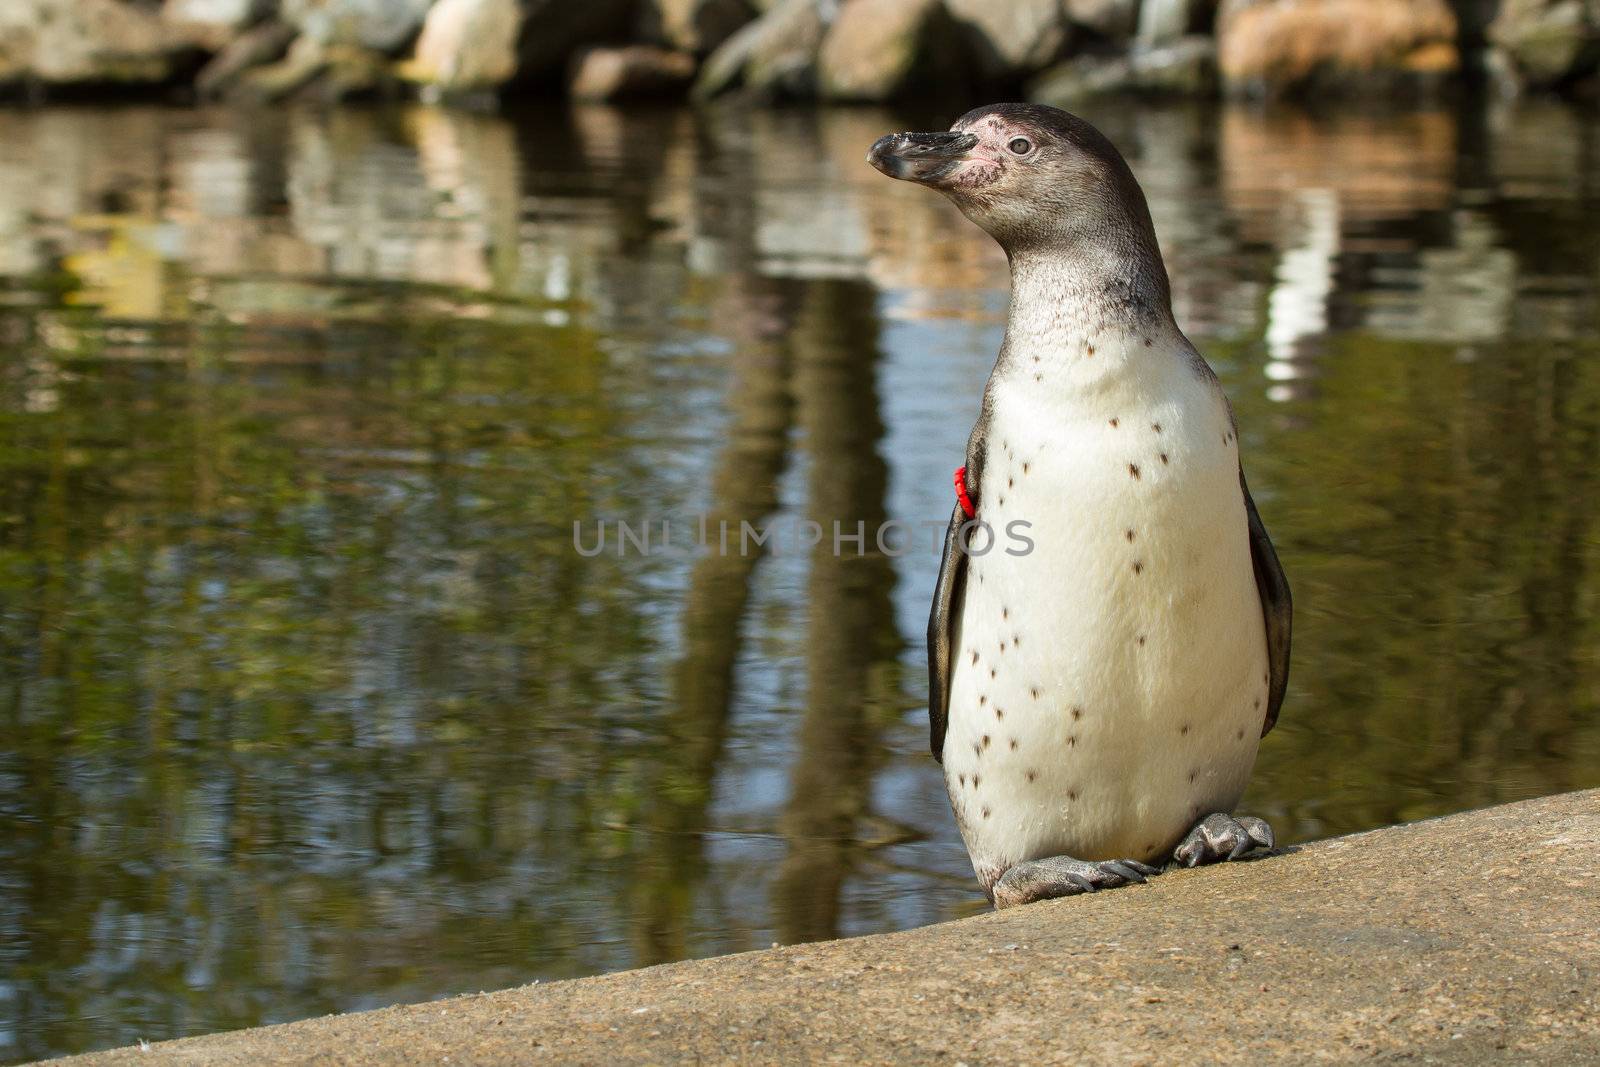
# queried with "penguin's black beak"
point(928, 158)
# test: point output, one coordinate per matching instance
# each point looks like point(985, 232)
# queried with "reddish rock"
point(1282, 47)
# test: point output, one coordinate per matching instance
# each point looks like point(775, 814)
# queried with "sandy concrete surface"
point(1465, 940)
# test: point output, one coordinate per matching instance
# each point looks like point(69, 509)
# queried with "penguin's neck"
point(1085, 319)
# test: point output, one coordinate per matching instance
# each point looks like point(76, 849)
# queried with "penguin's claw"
point(1063, 876)
point(1131, 870)
point(1222, 837)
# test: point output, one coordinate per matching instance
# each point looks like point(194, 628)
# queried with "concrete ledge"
point(1469, 939)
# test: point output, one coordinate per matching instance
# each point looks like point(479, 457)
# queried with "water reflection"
point(310, 705)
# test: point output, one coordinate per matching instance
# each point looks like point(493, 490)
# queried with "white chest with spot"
point(1108, 688)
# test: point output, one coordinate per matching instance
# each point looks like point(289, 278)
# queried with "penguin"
point(1098, 686)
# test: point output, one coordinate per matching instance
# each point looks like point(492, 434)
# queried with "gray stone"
point(264, 43)
point(605, 74)
point(1185, 68)
point(380, 25)
point(305, 60)
point(724, 68)
point(1548, 41)
point(1116, 19)
point(233, 14)
point(1013, 38)
point(313, 70)
point(887, 49)
point(1164, 22)
point(774, 56)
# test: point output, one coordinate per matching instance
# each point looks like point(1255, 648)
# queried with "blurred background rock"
point(1056, 51)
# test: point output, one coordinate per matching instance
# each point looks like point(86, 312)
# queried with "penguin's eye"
point(1020, 146)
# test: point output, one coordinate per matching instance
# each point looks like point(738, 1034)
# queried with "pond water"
point(309, 702)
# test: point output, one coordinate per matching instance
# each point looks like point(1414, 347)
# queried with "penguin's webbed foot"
point(1063, 876)
point(1221, 837)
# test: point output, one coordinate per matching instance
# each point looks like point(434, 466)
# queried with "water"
point(309, 704)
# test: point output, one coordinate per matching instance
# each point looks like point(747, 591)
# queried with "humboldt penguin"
point(1096, 701)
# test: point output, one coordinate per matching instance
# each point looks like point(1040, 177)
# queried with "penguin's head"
point(1035, 178)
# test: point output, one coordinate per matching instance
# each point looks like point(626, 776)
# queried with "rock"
point(1164, 22)
point(213, 24)
point(773, 57)
point(324, 72)
point(467, 46)
point(1116, 19)
point(379, 25)
point(1186, 68)
point(355, 73)
point(261, 44)
point(553, 29)
point(471, 46)
point(304, 61)
point(1283, 47)
point(724, 68)
point(886, 49)
point(696, 26)
point(1473, 17)
point(1548, 42)
point(603, 74)
point(87, 42)
point(1014, 38)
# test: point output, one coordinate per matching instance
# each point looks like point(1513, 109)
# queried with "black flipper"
point(942, 622)
point(1276, 608)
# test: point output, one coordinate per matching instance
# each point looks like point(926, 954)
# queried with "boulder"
point(774, 57)
point(1187, 67)
point(379, 25)
point(303, 62)
point(355, 73)
point(1473, 18)
point(324, 72)
point(696, 26)
point(1013, 38)
point(1290, 47)
point(887, 49)
point(467, 46)
point(1548, 42)
point(264, 43)
point(1114, 19)
point(86, 42)
point(553, 29)
point(1164, 22)
point(213, 24)
point(472, 46)
point(640, 70)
